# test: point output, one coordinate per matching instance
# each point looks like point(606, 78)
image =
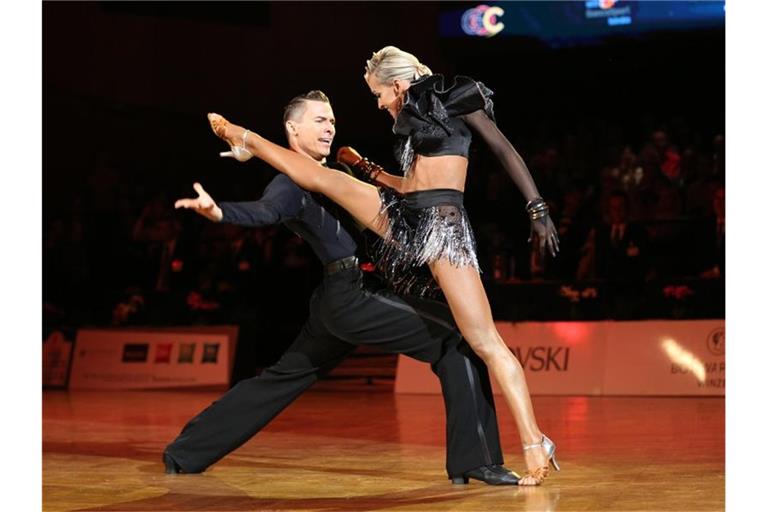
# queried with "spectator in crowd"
point(574, 225)
point(628, 175)
point(708, 174)
point(711, 247)
point(666, 231)
point(158, 231)
point(617, 249)
point(66, 274)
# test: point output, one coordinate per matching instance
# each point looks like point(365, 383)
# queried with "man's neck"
point(295, 149)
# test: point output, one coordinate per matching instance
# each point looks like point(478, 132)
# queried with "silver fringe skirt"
point(421, 228)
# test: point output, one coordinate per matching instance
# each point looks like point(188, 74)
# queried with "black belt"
point(342, 264)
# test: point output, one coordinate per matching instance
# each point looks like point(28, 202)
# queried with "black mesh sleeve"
point(504, 151)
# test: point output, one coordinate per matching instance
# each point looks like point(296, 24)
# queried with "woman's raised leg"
point(360, 199)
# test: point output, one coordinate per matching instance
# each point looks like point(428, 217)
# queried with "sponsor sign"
point(604, 358)
point(667, 358)
point(147, 359)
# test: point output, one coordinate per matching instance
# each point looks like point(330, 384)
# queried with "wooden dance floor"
point(356, 450)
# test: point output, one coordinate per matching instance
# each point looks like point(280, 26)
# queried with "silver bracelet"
point(537, 208)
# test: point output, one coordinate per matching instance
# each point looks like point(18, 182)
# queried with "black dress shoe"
point(492, 475)
point(171, 467)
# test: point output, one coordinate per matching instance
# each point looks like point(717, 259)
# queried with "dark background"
point(126, 87)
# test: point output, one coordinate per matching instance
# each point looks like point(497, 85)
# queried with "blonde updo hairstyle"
point(391, 63)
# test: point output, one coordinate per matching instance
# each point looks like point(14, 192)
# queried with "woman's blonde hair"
point(391, 63)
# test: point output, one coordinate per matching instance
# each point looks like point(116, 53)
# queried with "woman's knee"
point(491, 348)
point(483, 343)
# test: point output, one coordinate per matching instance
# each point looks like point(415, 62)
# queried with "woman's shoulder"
point(442, 84)
point(458, 95)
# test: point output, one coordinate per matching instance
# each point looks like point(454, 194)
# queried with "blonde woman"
point(421, 217)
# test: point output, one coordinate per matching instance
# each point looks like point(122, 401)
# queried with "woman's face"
point(388, 97)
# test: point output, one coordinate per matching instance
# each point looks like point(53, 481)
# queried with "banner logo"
point(210, 353)
point(482, 21)
point(135, 352)
point(163, 352)
point(716, 342)
point(187, 352)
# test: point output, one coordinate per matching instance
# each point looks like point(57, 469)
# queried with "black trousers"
point(343, 315)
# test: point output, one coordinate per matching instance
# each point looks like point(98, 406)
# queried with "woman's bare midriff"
point(431, 172)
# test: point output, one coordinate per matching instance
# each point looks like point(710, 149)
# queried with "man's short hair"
point(295, 108)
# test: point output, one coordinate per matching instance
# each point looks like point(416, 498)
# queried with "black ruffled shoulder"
point(428, 101)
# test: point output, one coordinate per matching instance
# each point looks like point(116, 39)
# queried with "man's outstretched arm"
point(282, 199)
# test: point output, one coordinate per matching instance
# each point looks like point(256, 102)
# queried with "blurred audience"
point(633, 215)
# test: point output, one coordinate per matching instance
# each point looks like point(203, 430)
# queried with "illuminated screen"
point(571, 23)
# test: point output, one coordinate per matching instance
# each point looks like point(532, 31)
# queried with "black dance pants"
point(343, 315)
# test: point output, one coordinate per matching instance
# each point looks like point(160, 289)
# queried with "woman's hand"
point(544, 233)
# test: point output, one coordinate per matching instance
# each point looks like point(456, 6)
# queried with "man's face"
point(313, 133)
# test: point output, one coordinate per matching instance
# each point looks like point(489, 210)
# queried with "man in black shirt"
point(343, 314)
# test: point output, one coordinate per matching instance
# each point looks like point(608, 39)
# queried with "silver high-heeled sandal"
point(540, 473)
point(239, 153)
point(218, 125)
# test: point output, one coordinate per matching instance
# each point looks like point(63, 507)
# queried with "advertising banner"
point(149, 359)
point(674, 358)
point(661, 357)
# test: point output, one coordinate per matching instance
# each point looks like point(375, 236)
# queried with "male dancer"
point(342, 315)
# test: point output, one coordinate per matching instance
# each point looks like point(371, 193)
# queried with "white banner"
point(658, 357)
point(605, 358)
point(147, 359)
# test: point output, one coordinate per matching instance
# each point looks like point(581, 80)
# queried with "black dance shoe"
point(495, 474)
point(171, 467)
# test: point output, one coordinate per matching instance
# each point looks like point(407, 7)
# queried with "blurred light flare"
point(684, 358)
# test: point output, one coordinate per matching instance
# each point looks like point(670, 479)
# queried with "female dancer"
point(424, 221)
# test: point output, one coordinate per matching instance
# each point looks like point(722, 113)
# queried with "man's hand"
point(204, 204)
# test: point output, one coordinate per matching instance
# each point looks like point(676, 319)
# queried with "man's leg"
point(472, 430)
point(470, 411)
point(424, 330)
point(250, 405)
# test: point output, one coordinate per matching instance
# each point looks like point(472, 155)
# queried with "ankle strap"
point(245, 134)
point(534, 445)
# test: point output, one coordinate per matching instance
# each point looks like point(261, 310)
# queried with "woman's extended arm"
point(537, 209)
point(505, 152)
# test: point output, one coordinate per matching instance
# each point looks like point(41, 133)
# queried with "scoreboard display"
point(573, 23)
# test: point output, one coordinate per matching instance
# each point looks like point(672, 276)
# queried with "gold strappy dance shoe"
point(540, 473)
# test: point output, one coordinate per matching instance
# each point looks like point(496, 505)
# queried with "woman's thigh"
point(466, 297)
point(360, 199)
